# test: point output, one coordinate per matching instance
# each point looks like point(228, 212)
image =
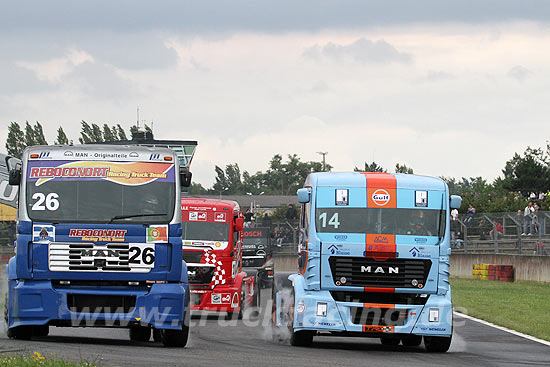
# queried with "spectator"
point(291, 213)
point(470, 215)
point(248, 218)
point(454, 214)
point(528, 218)
point(541, 195)
point(498, 232)
point(266, 221)
point(532, 196)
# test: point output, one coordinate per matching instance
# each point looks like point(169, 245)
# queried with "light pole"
point(323, 154)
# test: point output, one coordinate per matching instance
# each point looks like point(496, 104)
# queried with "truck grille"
point(100, 303)
point(200, 274)
point(113, 257)
point(367, 272)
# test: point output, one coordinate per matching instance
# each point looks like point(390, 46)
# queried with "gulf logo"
point(381, 197)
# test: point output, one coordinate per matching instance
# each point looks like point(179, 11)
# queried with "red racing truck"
point(212, 248)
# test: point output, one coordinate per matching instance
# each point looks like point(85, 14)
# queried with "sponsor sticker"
point(235, 300)
point(197, 216)
point(219, 217)
point(124, 173)
point(381, 197)
point(99, 235)
point(421, 198)
point(157, 234)
point(216, 298)
point(342, 197)
point(43, 234)
point(377, 329)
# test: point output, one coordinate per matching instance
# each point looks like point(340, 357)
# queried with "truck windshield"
point(205, 231)
point(100, 192)
point(415, 222)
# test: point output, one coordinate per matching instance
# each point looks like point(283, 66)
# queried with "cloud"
point(363, 50)
point(54, 69)
point(519, 73)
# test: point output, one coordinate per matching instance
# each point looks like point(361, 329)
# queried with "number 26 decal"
point(147, 256)
point(44, 202)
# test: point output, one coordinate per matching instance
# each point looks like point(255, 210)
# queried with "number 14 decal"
point(333, 221)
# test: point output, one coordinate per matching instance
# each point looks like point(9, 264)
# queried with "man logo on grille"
point(100, 253)
point(380, 270)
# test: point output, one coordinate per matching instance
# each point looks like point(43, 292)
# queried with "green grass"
point(521, 306)
point(36, 359)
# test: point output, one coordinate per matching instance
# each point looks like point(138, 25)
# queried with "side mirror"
point(15, 177)
point(304, 195)
point(239, 224)
point(455, 202)
point(185, 176)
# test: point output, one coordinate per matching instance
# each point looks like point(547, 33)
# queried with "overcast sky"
point(449, 88)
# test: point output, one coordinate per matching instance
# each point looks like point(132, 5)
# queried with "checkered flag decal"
point(219, 273)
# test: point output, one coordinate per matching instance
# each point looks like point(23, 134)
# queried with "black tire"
point(412, 340)
point(178, 338)
point(302, 338)
point(41, 330)
point(257, 293)
point(157, 336)
point(390, 342)
point(437, 344)
point(140, 333)
point(20, 332)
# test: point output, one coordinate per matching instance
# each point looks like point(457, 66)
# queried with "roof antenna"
point(138, 117)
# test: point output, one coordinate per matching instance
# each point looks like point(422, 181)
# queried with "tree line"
point(522, 174)
point(18, 139)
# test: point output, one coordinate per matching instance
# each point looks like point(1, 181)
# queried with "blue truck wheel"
point(178, 338)
point(140, 333)
point(412, 340)
point(437, 344)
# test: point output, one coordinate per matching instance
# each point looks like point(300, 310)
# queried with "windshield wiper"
point(134, 216)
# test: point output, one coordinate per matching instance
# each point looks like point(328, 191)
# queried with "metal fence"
point(505, 233)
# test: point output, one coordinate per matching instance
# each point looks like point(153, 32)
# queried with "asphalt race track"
point(214, 343)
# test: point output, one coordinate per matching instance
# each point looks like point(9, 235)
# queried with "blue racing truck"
point(99, 242)
point(373, 261)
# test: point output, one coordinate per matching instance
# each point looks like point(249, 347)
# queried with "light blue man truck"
point(99, 242)
point(373, 261)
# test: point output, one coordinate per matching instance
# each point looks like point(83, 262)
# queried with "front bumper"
point(340, 316)
point(40, 303)
point(219, 299)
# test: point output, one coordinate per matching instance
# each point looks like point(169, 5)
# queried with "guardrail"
point(501, 233)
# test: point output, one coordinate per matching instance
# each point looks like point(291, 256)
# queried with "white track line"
point(532, 338)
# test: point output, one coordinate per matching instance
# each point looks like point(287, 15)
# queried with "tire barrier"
point(501, 273)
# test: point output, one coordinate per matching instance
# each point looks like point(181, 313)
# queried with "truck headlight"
point(434, 315)
point(322, 309)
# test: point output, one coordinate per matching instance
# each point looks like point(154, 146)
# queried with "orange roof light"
point(34, 155)
point(168, 158)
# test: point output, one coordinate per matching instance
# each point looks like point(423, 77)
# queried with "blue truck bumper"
point(341, 316)
point(161, 305)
